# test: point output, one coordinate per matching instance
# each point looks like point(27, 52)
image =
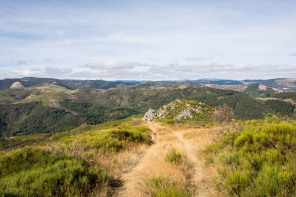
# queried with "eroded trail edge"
point(153, 164)
point(200, 175)
point(133, 184)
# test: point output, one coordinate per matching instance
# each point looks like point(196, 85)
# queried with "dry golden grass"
point(153, 164)
point(138, 163)
point(115, 163)
point(122, 162)
point(195, 142)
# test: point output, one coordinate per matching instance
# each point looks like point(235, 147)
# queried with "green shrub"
point(209, 159)
point(267, 181)
point(232, 158)
point(237, 181)
point(32, 171)
point(161, 187)
point(115, 138)
point(173, 156)
point(262, 159)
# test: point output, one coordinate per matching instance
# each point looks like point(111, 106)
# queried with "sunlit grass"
point(258, 159)
point(34, 172)
point(73, 163)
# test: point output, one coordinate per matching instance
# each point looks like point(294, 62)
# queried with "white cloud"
point(21, 62)
point(151, 39)
point(59, 32)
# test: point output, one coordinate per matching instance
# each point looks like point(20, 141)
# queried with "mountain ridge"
point(280, 84)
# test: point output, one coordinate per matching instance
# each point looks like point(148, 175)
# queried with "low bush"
point(161, 187)
point(223, 114)
point(259, 159)
point(32, 171)
point(173, 156)
point(114, 138)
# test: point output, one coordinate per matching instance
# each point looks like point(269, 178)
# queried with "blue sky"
point(148, 40)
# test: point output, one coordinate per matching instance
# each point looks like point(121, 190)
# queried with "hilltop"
point(272, 85)
point(49, 107)
point(131, 157)
point(181, 110)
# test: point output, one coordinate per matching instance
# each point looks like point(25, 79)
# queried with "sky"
point(148, 39)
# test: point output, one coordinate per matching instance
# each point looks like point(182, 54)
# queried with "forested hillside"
point(48, 107)
point(70, 84)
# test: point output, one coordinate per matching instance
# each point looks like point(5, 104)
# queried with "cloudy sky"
point(148, 39)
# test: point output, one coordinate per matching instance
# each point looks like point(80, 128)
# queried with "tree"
point(223, 114)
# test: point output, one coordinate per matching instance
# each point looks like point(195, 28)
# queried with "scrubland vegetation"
point(46, 108)
point(253, 156)
point(32, 171)
point(82, 162)
point(256, 157)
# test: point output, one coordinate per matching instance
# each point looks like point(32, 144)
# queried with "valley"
point(123, 141)
point(49, 107)
point(147, 98)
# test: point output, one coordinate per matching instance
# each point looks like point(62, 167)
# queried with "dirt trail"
point(152, 163)
point(200, 175)
point(132, 179)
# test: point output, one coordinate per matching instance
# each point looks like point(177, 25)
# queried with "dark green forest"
point(51, 108)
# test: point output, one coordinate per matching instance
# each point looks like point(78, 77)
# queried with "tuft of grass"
point(188, 135)
point(173, 156)
point(161, 187)
point(209, 159)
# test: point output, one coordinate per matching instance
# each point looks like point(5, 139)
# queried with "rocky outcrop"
point(184, 115)
point(178, 110)
point(149, 115)
point(16, 85)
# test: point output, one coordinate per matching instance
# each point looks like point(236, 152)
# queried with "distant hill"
point(282, 84)
point(260, 90)
point(70, 84)
point(48, 107)
point(215, 81)
point(237, 85)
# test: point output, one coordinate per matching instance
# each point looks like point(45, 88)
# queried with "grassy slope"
point(32, 171)
point(68, 164)
point(257, 158)
point(47, 107)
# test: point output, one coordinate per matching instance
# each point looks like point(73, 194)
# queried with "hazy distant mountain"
point(49, 107)
point(237, 85)
point(67, 83)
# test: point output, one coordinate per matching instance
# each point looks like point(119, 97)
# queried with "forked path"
point(152, 163)
point(200, 175)
point(133, 184)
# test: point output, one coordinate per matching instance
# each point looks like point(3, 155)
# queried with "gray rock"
point(150, 115)
point(184, 115)
point(187, 112)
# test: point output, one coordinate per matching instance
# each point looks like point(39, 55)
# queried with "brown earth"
point(197, 179)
